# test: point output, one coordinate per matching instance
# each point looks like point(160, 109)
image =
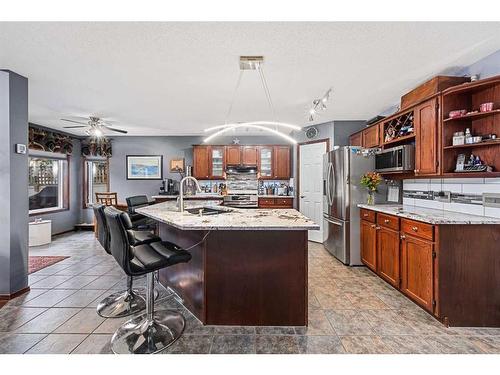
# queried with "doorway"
point(310, 184)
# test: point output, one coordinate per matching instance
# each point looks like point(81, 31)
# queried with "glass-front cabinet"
point(266, 161)
point(217, 160)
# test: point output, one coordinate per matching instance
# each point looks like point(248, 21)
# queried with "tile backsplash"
point(466, 194)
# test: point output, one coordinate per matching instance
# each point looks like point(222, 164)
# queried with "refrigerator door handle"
point(328, 198)
point(332, 222)
point(331, 183)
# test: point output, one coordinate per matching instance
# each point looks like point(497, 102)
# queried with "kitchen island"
point(248, 267)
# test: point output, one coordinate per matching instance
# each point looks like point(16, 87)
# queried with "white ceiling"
point(178, 78)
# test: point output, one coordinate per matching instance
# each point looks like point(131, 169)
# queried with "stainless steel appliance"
point(169, 187)
point(400, 158)
point(242, 187)
point(342, 192)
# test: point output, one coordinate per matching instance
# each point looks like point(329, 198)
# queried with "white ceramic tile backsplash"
point(492, 211)
point(476, 186)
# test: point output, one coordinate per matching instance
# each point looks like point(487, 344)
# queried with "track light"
point(319, 105)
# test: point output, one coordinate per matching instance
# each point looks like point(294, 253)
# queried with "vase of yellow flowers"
point(371, 180)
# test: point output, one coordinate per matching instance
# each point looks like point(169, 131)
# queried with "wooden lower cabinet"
point(276, 202)
point(388, 255)
point(417, 270)
point(450, 270)
point(369, 244)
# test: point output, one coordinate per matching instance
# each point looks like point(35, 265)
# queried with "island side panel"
point(187, 279)
point(256, 278)
point(469, 275)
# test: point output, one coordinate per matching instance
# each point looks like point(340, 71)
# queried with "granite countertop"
point(234, 219)
point(430, 215)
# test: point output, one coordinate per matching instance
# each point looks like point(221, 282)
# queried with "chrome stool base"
point(121, 304)
point(143, 335)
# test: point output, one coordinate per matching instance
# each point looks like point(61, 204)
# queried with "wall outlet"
point(21, 148)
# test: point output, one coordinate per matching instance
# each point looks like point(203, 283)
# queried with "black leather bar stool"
point(152, 331)
point(138, 220)
point(125, 302)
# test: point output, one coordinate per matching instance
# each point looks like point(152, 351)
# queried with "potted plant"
point(371, 180)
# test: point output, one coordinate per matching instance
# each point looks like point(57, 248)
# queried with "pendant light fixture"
point(253, 63)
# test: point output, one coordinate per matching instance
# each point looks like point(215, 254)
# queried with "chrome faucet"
point(180, 198)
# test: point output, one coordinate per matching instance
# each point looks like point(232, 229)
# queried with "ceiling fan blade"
point(76, 122)
point(115, 129)
point(74, 127)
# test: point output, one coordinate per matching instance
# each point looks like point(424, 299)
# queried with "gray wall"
point(14, 186)
point(64, 221)
point(487, 67)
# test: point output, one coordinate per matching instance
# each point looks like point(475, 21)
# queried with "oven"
point(396, 159)
point(241, 200)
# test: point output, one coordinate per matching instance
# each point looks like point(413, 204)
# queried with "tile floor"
point(350, 311)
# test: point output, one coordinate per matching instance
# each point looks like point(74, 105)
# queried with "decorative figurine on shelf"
point(371, 180)
point(390, 133)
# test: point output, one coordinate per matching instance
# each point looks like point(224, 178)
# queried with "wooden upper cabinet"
point(371, 137)
point(233, 155)
point(416, 270)
point(369, 244)
point(249, 155)
point(217, 161)
point(388, 255)
point(282, 161)
point(266, 162)
point(356, 139)
point(201, 162)
point(426, 142)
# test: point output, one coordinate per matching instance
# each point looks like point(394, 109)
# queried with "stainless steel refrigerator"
point(342, 192)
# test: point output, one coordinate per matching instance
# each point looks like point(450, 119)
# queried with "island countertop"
point(234, 219)
point(430, 215)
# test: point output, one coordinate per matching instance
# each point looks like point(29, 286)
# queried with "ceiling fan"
point(96, 126)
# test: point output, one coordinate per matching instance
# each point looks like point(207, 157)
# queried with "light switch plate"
point(21, 148)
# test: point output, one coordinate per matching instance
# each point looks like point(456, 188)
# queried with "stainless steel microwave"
point(396, 159)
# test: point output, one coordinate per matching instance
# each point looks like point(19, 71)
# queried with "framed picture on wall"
point(144, 167)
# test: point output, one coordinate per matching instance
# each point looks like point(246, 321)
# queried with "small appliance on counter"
point(169, 187)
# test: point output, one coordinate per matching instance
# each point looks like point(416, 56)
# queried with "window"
point(96, 180)
point(48, 184)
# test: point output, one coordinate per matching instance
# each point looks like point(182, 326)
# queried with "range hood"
point(246, 169)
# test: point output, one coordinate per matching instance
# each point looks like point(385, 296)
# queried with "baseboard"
point(6, 297)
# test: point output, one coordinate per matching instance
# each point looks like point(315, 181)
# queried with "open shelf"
point(473, 116)
point(479, 144)
point(400, 139)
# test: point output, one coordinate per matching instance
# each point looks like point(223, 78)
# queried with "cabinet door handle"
point(414, 229)
point(387, 221)
point(377, 228)
point(373, 226)
point(402, 237)
point(365, 215)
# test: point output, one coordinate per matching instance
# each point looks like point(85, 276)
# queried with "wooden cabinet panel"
point(201, 162)
point(388, 221)
point(249, 155)
point(284, 202)
point(276, 202)
point(418, 229)
point(367, 215)
point(388, 255)
point(417, 266)
point(356, 139)
point(426, 142)
point(233, 155)
point(371, 136)
point(282, 162)
point(369, 244)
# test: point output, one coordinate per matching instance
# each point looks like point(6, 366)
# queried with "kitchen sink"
point(206, 211)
